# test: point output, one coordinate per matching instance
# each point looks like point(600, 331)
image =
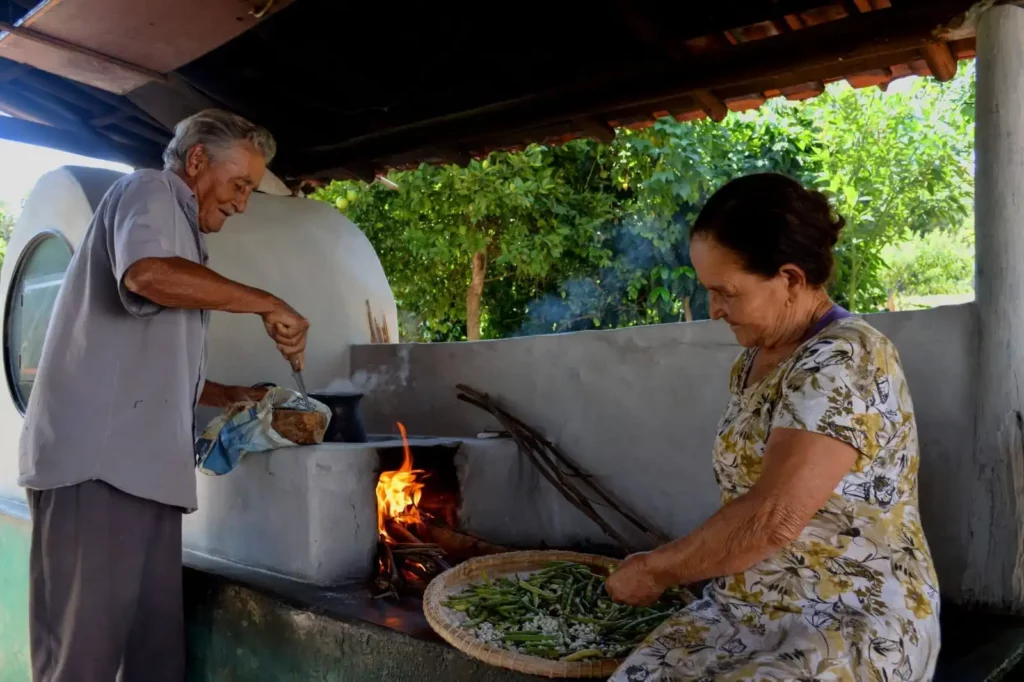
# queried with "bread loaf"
point(301, 428)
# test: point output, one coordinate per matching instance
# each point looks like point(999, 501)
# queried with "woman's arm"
point(799, 471)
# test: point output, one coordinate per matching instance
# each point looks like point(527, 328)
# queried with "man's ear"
point(196, 160)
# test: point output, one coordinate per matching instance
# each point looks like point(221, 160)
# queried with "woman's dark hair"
point(770, 220)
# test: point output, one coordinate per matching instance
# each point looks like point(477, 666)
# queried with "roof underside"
point(351, 89)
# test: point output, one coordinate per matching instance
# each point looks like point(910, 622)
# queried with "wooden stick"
point(390, 583)
point(528, 446)
point(578, 473)
point(559, 470)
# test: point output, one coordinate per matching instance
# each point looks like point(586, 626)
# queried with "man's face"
point(223, 182)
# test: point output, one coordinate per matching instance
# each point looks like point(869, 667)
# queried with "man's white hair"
point(216, 130)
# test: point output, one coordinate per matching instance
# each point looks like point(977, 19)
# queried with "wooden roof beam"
point(866, 79)
point(74, 142)
point(711, 104)
point(9, 72)
point(450, 155)
point(595, 128)
point(793, 21)
point(145, 131)
point(941, 61)
point(115, 116)
point(77, 50)
point(360, 171)
point(833, 46)
point(795, 93)
point(739, 15)
point(63, 90)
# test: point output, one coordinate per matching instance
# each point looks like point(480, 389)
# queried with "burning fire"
point(399, 493)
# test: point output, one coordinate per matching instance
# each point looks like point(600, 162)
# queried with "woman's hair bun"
point(771, 220)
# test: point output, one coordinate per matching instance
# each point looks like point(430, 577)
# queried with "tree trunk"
point(851, 286)
point(687, 310)
point(475, 294)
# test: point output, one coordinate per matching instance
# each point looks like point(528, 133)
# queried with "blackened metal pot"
point(346, 424)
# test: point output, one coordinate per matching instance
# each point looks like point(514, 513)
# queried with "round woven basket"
point(455, 579)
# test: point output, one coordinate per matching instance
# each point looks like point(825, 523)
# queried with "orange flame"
point(399, 492)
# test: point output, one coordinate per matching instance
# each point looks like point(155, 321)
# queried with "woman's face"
point(755, 307)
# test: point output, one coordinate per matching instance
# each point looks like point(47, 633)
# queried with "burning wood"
point(417, 538)
point(459, 546)
point(405, 560)
point(399, 493)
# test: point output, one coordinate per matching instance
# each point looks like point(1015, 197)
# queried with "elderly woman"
point(820, 565)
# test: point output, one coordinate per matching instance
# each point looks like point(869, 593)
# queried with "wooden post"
point(994, 574)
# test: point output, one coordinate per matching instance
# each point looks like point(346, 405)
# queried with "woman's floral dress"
point(855, 597)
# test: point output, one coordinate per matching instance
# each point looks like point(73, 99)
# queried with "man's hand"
point(288, 330)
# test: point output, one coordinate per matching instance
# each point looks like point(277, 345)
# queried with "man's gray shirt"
point(114, 398)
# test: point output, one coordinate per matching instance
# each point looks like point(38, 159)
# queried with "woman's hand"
point(633, 583)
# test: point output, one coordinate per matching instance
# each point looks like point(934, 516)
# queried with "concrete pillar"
point(994, 575)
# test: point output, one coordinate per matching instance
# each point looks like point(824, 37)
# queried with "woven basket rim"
point(503, 564)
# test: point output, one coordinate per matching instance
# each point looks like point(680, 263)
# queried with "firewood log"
point(458, 545)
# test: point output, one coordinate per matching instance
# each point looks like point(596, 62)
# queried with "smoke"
point(342, 386)
point(615, 295)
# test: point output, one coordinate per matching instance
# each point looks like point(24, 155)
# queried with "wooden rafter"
point(711, 105)
point(595, 128)
point(940, 60)
point(871, 40)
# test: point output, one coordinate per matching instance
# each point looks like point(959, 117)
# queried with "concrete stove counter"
point(309, 513)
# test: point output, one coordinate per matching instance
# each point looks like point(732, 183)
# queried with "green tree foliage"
point(6, 227)
point(532, 219)
point(891, 164)
point(589, 235)
point(939, 262)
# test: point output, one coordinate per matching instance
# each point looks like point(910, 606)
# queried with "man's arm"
point(219, 395)
point(179, 283)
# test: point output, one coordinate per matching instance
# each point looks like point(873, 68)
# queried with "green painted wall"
point(14, 546)
point(236, 634)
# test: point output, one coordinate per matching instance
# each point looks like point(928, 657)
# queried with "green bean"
point(569, 594)
point(537, 591)
point(528, 637)
point(580, 655)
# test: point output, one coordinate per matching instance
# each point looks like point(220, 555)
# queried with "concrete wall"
point(638, 408)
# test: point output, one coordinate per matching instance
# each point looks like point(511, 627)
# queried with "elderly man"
point(107, 448)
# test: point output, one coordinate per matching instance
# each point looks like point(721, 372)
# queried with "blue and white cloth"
point(248, 427)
